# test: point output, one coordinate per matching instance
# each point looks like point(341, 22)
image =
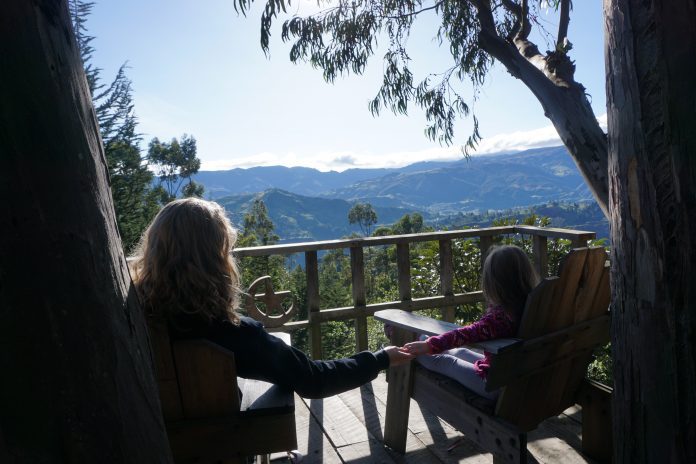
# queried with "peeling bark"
point(651, 71)
point(77, 382)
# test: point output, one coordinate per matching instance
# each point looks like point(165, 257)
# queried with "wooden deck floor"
point(348, 428)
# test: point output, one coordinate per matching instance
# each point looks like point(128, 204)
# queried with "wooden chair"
point(540, 374)
point(211, 415)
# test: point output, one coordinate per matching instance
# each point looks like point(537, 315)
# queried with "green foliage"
point(257, 223)
point(134, 201)
point(257, 230)
point(364, 215)
point(408, 224)
point(174, 163)
point(601, 368)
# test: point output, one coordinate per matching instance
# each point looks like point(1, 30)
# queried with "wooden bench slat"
point(201, 368)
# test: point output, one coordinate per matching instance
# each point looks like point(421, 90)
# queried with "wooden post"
point(541, 255)
point(595, 400)
point(398, 396)
point(446, 277)
point(312, 273)
point(357, 271)
point(403, 266)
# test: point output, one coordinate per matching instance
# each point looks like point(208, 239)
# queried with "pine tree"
point(135, 201)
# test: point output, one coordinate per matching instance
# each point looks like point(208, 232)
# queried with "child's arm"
point(496, 323)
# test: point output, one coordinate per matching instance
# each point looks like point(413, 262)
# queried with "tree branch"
point(415, 13)
point(563, 24)
point(523, 54)
point(522, 29)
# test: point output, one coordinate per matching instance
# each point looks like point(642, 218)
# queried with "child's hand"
point(417, 348)
point(397, 355)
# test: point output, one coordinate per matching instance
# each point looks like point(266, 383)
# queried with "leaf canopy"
point(343, 35)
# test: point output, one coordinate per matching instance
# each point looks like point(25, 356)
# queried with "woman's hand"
point(417, 348)
point(398, 355)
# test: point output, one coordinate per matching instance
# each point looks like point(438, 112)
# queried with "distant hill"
point(307, 204)
point(303, 181)
point(479, 183)
point(301, 218)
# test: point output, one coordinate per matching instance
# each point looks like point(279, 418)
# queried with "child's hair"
point(508, 277)
point(184, 262)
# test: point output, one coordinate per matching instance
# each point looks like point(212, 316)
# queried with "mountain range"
point(499, 181)
point(307, 204)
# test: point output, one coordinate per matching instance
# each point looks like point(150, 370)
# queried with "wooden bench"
point(205, 418)
point(540, 374)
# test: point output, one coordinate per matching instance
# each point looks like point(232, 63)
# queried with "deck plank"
point(418, 420)
point(340, 425)
point(312, 442)
point(366, 452)
point(429, 432)
point(371, 410)
point(349, 428)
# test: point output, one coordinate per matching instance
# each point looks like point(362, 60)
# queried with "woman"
point(185, 273)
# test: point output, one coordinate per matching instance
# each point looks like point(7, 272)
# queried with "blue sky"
point(198, 68)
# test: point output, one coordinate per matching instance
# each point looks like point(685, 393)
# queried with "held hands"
point(417, 348)
point(398, 355)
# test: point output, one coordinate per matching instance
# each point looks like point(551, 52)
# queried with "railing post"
point(312, 273)
point(403, 267)
point(447, 277)
point(541, 254)
point(357, 271)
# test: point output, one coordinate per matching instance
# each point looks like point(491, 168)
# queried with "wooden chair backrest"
point(196, 378)
point(565, 318)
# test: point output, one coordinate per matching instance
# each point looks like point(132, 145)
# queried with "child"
point(507, 279)
point(186, 275)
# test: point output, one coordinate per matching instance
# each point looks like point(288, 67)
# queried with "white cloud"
point(342, 160)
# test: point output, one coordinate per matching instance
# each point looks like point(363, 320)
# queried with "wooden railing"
point(446, 301)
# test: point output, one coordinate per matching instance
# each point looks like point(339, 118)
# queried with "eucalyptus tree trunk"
point(77, 381)
point(651, 94)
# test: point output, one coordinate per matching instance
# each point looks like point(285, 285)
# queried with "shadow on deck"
point(348, 428)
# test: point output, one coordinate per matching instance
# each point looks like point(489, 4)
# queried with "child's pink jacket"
point(496, 323)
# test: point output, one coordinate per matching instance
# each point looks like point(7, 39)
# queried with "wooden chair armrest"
point(413, 322)
point(499, 345)
point(263, 398)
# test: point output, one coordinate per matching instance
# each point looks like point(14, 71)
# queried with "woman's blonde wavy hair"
point(184, 262)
